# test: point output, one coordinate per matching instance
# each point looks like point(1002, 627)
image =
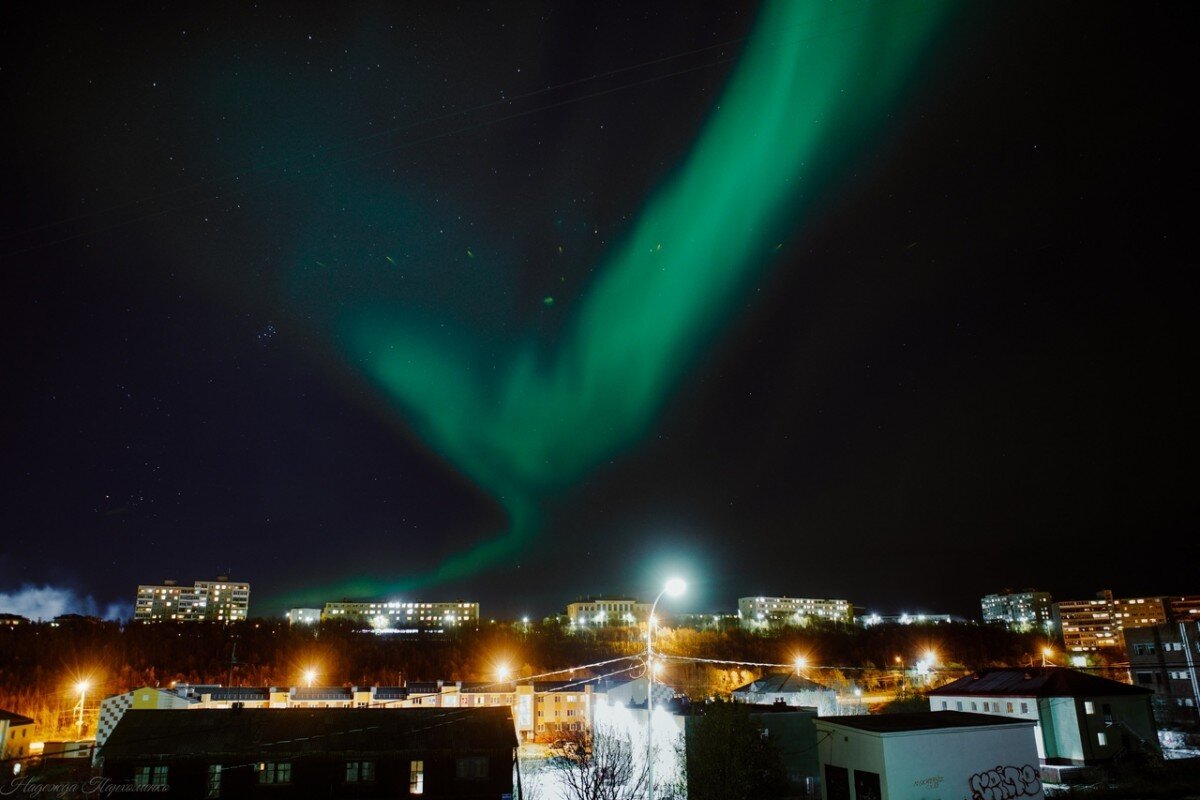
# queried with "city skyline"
point(948, 361)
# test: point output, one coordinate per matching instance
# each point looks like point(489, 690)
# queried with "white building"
point(303, 616)
point(1021, 611)
point(399, 615)
point(1078, 718)
point(760, 612)
point(941, 754)
point(791, 690)
point(607, 611)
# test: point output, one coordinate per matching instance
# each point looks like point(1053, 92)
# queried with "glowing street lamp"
point(503, 672)
point(674, 587)
point(310, 675)
point(1046, 653)
point(81, 687)
point(801, 662)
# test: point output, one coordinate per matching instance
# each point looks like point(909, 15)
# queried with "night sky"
point(954, 359)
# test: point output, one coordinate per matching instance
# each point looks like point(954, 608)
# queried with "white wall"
point(984, 763)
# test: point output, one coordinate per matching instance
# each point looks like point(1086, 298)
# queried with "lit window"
point(1102, 738)
point(275, 772)
point(416, 777)
point(1089, 707)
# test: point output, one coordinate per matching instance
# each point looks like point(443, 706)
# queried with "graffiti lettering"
point(1003, 783)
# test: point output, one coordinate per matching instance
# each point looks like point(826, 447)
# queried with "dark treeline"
point(40, 664)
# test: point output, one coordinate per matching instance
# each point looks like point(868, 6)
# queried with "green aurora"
point(815, 81)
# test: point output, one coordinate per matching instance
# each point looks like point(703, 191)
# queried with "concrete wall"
point(947, 764)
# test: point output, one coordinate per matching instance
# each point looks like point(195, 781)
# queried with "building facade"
point(1101, 622)
point(789, 689)
point(16, 734)
point(1078, 718)
point(403, 617)
point(607, 611)
point(922, 755)
point(219, 600)
point(1182, 608)
point(1020, 611)
point(303, 616)
point(760, 612)
point(1165, 659)
point(323, 752)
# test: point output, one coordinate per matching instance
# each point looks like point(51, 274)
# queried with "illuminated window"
point(1089, 707)
point(1102, 738)
point(275, 772)
point(416, 777)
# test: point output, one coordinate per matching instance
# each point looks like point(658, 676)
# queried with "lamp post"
point(674, 588)
point(1046, 653)
point(82, 688)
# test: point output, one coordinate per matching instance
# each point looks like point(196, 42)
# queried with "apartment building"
point(1019, 611)
point(402, 616)
point(607, 611)
point(759, 612)
point(219, 600)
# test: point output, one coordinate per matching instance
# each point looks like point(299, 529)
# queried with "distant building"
point(16, 731)
point(12, 620)
point(760, 612)
point(1078, 718)
point(1165, 659)
point(319, 752)
point(789, 689)
point(1101, 621)
point(927, 754)
point(220, 600)
point(868, 620)
point(1182, 608)
point(303, 616)
point(607, 611)
point(1020, 611)
point(398, 615)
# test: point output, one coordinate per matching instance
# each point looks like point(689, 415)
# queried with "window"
point(958, 705)
point(474, 768)
point(866, 785)
point(416, 777)
point(360, 771)
point(213, 785)
point(1024, 708)
point(837, 783)
point(1009, 707)
point(1145, 677)
point(944, 705)
point(1089, 707)
point(1102, 738)
point(974, 706)
point(987, 706)
point(275, 772)
point(150, 776)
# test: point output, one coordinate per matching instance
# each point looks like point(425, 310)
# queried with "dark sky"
point(967, 370)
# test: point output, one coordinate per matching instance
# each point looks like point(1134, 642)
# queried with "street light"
point(503, 673)
point(82, 687)
point(310, 675)
point(801, 663)
point(1046, 653)
point(674, 587)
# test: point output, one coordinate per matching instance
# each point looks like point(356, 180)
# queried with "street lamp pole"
point(674, 588)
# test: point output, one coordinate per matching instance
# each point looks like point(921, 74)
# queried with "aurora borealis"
point(813, 82)
point(515, 303)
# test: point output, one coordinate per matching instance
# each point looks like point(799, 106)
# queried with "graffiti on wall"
point(1004, 783)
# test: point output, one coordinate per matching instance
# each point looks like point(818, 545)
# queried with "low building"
point(789, 689)
point(303, 616)
point(1165, 659)
point(761, 612)
point(1182, 608)
point(219, 600)
point(1078, 718)
point(321, 752)
point(947, 754)
point(16, 732)
point(403, 617)
point(904, 618)
point(1020, 611)
point(607, 611)
point(12, 620)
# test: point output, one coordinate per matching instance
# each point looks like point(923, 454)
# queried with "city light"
point(675, 587)
point(801, 662)
point(310, 676)
point(503, 672)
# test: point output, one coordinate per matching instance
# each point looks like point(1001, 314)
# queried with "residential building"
point(927, 754)
point(1020, 611)
point(1165, 659)
point(1087, 624)
point(1182, 608)
point(867, 620)
point(12, 620)
point(789, 689)
point(219, 600)
point(16, 732)
point(1139, 612)
point(319, 752)
point(303, 616)
point(759, 612)
point(399, 616)
point(1078, 718)
point(607, 610)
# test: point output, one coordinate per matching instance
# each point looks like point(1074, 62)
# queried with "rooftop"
point(921, 721)
point(782, 683)
point(1036, 682)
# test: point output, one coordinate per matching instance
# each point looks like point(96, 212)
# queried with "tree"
point(730, 758)
point(599, 766)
